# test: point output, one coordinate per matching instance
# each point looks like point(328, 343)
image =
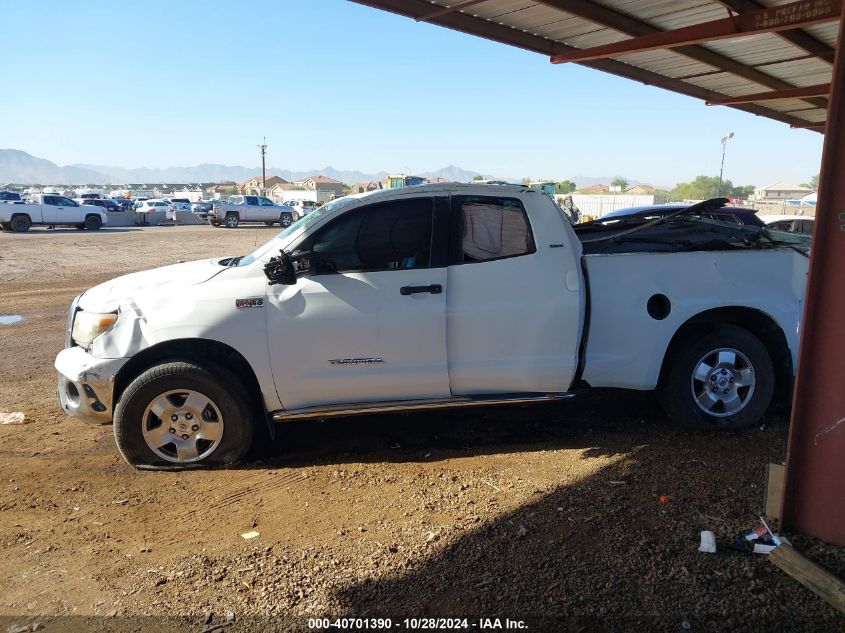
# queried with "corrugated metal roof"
point(714, 70)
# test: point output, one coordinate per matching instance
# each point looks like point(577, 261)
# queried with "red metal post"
point(814, 489)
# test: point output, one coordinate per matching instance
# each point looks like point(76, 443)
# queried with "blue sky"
point(330, 82)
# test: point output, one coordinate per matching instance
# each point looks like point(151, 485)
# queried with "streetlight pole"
point(725, 138)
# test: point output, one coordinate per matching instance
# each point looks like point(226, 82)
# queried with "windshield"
point(283, 239)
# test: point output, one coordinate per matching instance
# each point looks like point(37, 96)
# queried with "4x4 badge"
point(257, 302)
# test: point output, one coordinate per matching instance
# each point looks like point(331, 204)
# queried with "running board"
point(393, 406)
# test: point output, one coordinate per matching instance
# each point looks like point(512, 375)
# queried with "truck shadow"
point(603, 553)
point(620, 419)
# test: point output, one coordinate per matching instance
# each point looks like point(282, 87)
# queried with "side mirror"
point(281, 270)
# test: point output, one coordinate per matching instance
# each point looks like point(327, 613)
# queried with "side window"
point(251, 200)
point(50, 200)
point(264, 202)
point(388, 236)
point(493, 228)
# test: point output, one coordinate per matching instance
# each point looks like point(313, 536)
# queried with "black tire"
point(93, 222)
point(232, 220)
point(285, 219)
point(682, 385)
point(20, 223)
point(218, 385)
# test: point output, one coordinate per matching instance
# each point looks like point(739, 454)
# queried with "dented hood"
point(167, 280)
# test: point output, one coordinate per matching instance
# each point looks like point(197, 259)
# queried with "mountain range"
point(19, 167)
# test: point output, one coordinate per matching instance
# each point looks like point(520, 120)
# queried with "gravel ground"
point(550, 513)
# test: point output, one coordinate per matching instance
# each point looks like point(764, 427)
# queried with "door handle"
point(434, 289)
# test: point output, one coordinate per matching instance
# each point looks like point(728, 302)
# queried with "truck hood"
point(159, 282)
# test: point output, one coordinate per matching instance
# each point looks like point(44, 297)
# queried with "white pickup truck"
point(51, 209)
point(239, 209)
point(429, 297)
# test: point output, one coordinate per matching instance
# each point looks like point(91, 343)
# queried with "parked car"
point(801, 224)
point(302, 207)
point(249, 209)
point(345, 313)
point(155, 204)
point(181, 204)
point(51, 210)
point(108, 205)
point(125, 204)
point(201, 207)
point(734, 215)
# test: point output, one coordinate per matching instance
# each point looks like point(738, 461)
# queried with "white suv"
point(302, 207)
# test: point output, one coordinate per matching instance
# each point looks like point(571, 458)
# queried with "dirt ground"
point(548, 514)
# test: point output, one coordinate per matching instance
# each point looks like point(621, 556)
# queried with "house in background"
point(640, 190)
point(254, 185)
point(363, 187)
point(317, 188)
point(782, 190)
point(593, 189)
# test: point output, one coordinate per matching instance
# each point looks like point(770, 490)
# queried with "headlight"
point(89, 325)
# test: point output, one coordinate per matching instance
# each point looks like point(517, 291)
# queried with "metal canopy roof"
point(776, 53)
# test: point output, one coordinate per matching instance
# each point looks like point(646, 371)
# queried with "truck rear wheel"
point(722, 380)
point(183, 414)
point(285, 219)
point(93, 222)
point(20, 223)
point(232, 221)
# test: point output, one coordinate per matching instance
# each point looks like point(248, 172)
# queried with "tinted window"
point(251, 200)
point(493, 228)
point(264, 202)
point(387, 236)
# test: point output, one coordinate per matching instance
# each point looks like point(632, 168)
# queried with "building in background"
point(782, 190)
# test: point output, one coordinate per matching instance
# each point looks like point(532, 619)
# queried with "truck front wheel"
point(20, 223)
point(722, 380)
point(183, 414)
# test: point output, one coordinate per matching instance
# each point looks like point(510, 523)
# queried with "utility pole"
point(725, 138)
point(263, 148)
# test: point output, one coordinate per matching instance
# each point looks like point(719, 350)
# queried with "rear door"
point(251, 212)
point(514, 306)
point(367, 321)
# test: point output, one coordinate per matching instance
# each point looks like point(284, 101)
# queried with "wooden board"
point(819, 581)
point(774, 490)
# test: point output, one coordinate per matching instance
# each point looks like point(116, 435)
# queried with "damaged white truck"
point(430, 297)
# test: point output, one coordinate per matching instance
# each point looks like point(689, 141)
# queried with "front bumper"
point(86, 384)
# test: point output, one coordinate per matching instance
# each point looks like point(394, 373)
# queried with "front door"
point(514, 306)
point(367, 321)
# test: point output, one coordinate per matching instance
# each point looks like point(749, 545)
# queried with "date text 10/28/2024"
point(422, 624)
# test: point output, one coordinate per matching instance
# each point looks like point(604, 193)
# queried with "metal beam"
point(799, 38)
point(809, 126)
point(818, 90)
point(446, 10)
point(814, 485)
point(635, 27)
point(513, 37)
point(771, 20)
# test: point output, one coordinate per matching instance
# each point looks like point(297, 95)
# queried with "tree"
point(704, 187)
point(619, 182)
point(565, 186)
point(813, 184)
